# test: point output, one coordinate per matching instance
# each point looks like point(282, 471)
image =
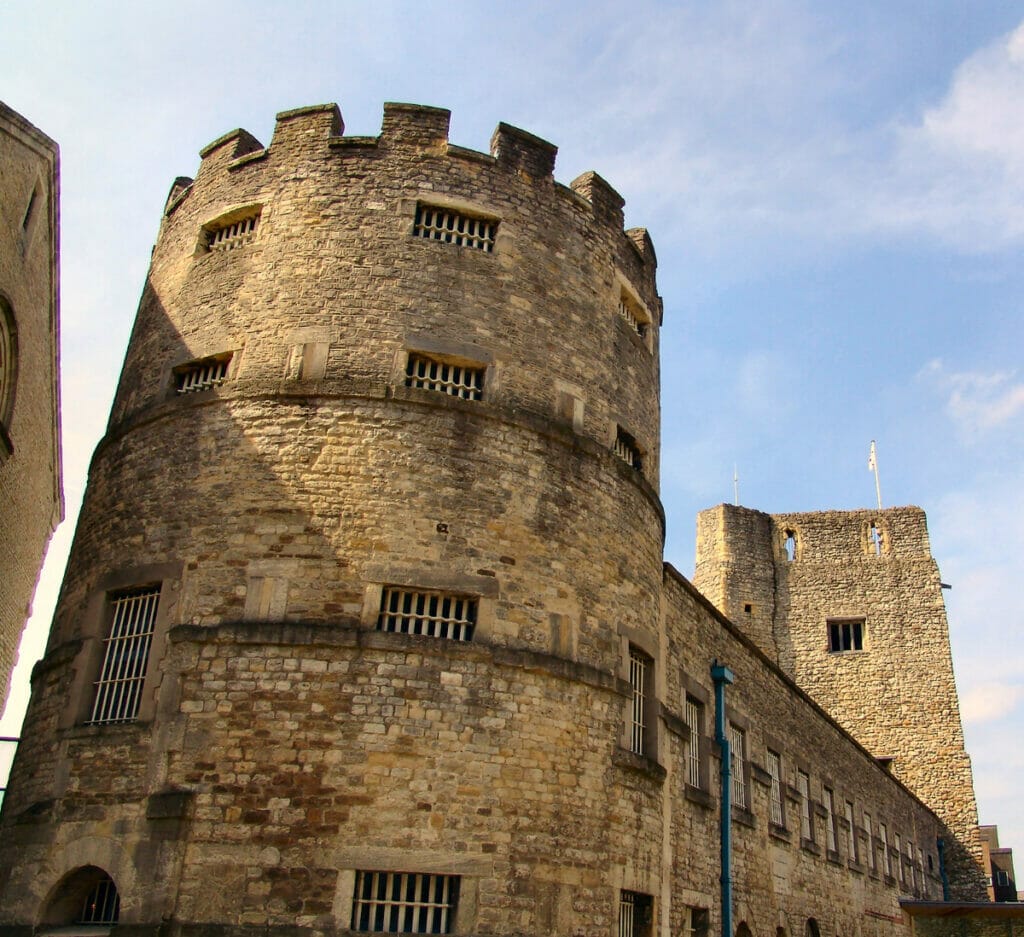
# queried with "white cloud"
point(977, 402)
point(990, 702)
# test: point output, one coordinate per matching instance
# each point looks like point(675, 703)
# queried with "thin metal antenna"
point(873, 467)
point(735, 486)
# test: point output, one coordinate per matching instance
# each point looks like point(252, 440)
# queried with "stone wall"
point(31, 503)
point(896, 694)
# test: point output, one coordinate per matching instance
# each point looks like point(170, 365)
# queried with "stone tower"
point(379, 390)
point(849, 603)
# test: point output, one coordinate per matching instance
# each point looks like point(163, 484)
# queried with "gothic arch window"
point(87, 895)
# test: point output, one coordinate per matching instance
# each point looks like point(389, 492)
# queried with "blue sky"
point(835, 191)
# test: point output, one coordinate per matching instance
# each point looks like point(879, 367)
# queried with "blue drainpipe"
point(723, 676)
point(941, 845)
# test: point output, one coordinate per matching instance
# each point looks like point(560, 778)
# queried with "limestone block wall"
point(31, 502)
point(873, 571)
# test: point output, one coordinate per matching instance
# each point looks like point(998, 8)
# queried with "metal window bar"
point(775, 770)
point(627, 450)
point(736, 756)
point(404, 902)
point(803, 784)
point(639, 668)
point(119, 689)
point(456, 380)
point(694, 721)
point(435, 615)
point(830, 821)
point(886, 858)
point(631, 315)
point(442, 224)
point(898, 846)
point(102, 905)
point(627, 914)
point(851, 835)
point(871, 846)
point(235, 234)
point(202, 375)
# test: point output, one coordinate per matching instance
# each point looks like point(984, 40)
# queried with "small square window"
point(433, 614)
point(452, 227)
point(845, 635)
point(230, 231)
point(626, 449)
point(456, 380)
point(201, 375)
point(631, 312)
point(404, 903)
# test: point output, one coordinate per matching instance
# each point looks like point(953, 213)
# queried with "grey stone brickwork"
point(867, 569)
point(282, 743)
point(31, 501)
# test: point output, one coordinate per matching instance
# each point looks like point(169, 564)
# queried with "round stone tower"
point(368, 552)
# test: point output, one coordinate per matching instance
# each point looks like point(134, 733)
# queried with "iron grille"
point(694, 719)
point(404, 902)
point(102, 904)
point(639, 671)
point(456, 380)
point(434, 614)
point(443, 224)
point(201, 375)
point(119, 689)
point(229, 236)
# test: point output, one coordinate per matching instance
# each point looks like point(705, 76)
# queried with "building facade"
point(31, 500)
point(366, 625)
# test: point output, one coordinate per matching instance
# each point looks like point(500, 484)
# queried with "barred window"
point(404, 902)
point(737, 764)
point(456, 380)
point(803, 784)
point(626, 449)
point(851, 833)
point(883, 834)
point(452, 227)
point(633, 314)
point(227, 235)
point(871, 846)
point(201, 375)
point(119, 688)
point(639, 681)
point(775, 770)
point(635, 914)
point(102, 904)
point(434, 614)
point(898, 846)
point(694, 715)
point(845, 635)
point(830, 820)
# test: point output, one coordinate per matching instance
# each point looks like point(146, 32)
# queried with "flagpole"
point(873, 466)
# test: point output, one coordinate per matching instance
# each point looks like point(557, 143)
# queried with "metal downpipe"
point(723, 677)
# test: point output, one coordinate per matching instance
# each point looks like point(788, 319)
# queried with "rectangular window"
point(886, 858)
point(119, 688)
point(433, 614)
point(226, 236)
point(696, 922)
point(635, 914)
point(898, 845)
point(910, 863)
point(627, 449)
point(694, 715)
point(404, 902)
point(201, 375)
point(803, 784)
point(1002, 877)
point(632, 314)
point(775, 794)
point(845, 636)
point(640, 666)
point(456, 380)
point(871, 845)
point(451, 227)
point(830, 820)
point(851, 833)
point(737, 765)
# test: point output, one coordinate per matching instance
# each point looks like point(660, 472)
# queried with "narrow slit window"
point(789, 545)
point(627, 450)
point(201, 375)
point(404, 903)
point(432, 614)
point(737, 763)
point(851, 833)
point(229, 235)
point(452, 227)
point(803, 784)
point(456, 380)
point(845, 636)
point(694, 712)
point(119, 688)
point(26, 221)
point(775, 771)
point(876, 539)
point(830, 820)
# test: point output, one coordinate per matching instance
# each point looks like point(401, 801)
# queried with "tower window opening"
point(640, 672)
point(404, 902)
point(451, 227)
point(201, 375)
point(102, 904)
point(119, 688)
point(432, 614)
point(875, 536)
point(228, 234)
point(789, 545)
point(456, 380)
point(845, 636)
point(635, 914)
point(626, 449)
point(633, 315)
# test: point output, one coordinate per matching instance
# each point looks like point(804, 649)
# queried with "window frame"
point(369, 906)
point(739, 764)
point(776, 801)
point(435, 617)
point(846, 631)
point(209, 242)
point(803, 786)
point(636, 913)
point(463, 365)
point(469, 216)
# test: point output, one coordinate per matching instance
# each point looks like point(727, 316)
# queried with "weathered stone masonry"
point(283, 747)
